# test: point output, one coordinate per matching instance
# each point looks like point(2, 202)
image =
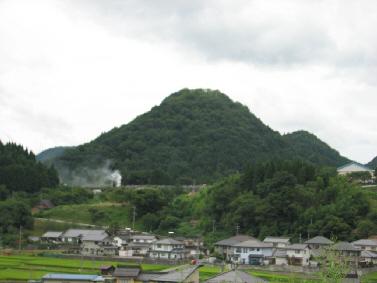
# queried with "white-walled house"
point(168, 249)
point(298, 254)
point(278, 242)
point(225, 247)
point(253, 252)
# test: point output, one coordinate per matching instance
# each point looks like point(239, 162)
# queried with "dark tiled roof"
point(253, 244)
point(168, 241)
point(344, 246)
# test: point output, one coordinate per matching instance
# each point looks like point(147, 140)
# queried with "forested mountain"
point(373, 163)
point(193, 136)
point(309, 147)
point(51, 153)
point(19, 171)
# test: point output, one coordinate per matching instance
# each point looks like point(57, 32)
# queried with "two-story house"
point(318, 245)
point(139, 246)
point(298, 254)
point(168, 249)
point(348, 252)
point(225, 247)
point(253, 252)
point(98, 244)
point(366, 244)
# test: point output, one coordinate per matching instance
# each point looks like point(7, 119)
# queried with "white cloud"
point(73, 69)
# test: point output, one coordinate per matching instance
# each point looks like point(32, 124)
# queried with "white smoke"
point(116, 178)
point(102, 176)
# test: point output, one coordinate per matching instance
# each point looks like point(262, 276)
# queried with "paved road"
point(69, 222)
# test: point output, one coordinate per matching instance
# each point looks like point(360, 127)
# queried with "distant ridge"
point(193, 136)
point(372, 164)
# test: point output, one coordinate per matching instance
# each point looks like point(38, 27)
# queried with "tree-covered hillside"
point(194, 136)
point(309, 147)
point(373, 163)
point(51, 153)
point(19, 171)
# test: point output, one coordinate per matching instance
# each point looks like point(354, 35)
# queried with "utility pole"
point(20, 238)
point(133, 218)
point(237, 229)
point(300, 239)
point(213, 226)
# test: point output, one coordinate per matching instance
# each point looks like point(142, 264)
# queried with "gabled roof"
point(178, 275)
point(254, 243)
point(52, 234)
point(271, 239)
point(144, 237)
point(76, 277)
point(95, 236)
point(297, 247)
point(365, 242)
point(345, 246)
point(168, 241)
point(235, 276)
point(361, 166)
point(72, 233)
point(320, 240)
point(234, 240)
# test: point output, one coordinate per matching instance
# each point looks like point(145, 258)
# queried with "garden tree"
point(193, 137)
point(150, 221)
point(13, 215)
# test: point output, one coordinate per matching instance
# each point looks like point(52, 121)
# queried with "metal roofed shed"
point(235, 276)
point(71, 278)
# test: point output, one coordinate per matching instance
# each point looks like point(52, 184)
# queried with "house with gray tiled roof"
point(298, 254)
point(168, 249)
point(347, 251)
point(225, 247)
point(366, 244)
point(253, 252)
point(319, 242)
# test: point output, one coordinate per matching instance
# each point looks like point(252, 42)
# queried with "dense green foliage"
point(289, 198)
point(19, 170)
point(194, 136)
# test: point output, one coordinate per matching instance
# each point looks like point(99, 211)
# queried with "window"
point(159, 246)
point(297, 251)
point(238, 250)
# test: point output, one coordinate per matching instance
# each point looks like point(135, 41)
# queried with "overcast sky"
point(70, 70)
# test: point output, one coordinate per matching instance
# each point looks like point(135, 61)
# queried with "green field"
point(105, 213)
point(25, 267)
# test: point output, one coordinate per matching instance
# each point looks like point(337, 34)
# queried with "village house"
point(348, 252)
point(235, 276)
point(368, 258)
point(168, 249)
point(53, 237)
point(319, 242)
point(253, 252)
point(98, 244)
point(120, 241)
point(366, 244)
point(298, 254)
point(277, 242)
point(139, 246)
point(194, 247)
point(225, 247)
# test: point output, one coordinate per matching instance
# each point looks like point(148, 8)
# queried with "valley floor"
point(20, 268)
